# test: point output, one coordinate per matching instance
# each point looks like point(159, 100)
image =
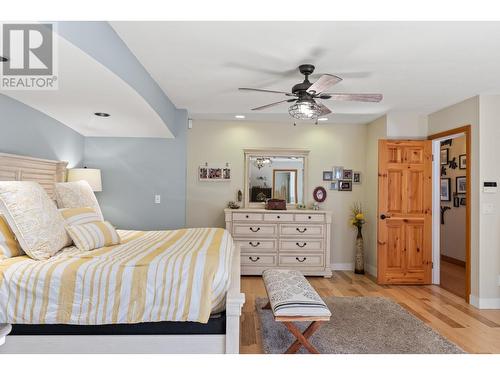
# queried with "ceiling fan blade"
point(374, 98)
point(263, 90)
point(273, 104)
point(324, 109)
point(324, 82)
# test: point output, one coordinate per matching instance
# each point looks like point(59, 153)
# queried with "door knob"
point(384, 216)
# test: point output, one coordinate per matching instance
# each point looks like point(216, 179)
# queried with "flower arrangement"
point(357, 216)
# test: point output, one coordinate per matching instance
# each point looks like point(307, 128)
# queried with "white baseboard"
point(342, 266)
point(484, 303)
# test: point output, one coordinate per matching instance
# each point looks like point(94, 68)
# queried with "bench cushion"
point(290, 294)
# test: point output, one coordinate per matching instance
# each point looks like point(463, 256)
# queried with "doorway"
point(451, 209)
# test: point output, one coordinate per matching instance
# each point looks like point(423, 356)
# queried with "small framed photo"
point(445, 153)
point(338, 173)
point(203, 173)
point(347, 174)
point(461, 185)
point(214, 173)
point(345, 185)
point(226, 173)
point(445, 190)
point(327, 175)
point(456, 201)
point(356, 177)
point(463, 201)
point(334, 185)
point(462, 161)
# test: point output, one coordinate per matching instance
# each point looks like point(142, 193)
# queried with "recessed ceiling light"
point(102, 114)
point(4, 59)
point(240, 116)
point(323, 119)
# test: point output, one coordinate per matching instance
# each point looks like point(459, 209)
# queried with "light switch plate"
point(157, 198)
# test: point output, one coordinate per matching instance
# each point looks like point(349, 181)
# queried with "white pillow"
point(34, 218)
point(76, 194)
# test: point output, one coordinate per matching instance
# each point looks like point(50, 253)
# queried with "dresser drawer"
point(302, 230)
point(247, 216)
point(252, 245)
point(301, 244)
point(258, 260)
point(310, 218)
point(312, 260)
point(255, 230)
point(278, 217)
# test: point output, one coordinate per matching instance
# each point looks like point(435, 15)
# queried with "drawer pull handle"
point(309, 217)
point(299, 245)
point(247, 216)
point(254, 230)
point(279, 217)
point(303, 259)
point(301, 230)
point(254, 244)
point(256, 259)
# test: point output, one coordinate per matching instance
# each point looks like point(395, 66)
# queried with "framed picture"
point(327, 175)
point(444, 156)
point(214, 173)
point(461, 185)
point(356, 177)
point(463, 201)
point(456, 201)
point(345, 185)
point(347, 174)
point(445, 189)
point(203, 173)
point(319, 194)
point(226, 173)
point(338, 173)
point(462, 161)
point(334, 185)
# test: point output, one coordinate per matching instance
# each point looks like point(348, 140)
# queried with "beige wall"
point(329, 145)
point(375, 130)
point(452, 236)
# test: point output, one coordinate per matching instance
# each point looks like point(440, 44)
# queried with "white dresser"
point(298, 239)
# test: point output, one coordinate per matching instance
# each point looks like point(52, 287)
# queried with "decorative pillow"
point(34, 218)
point(9, 247)
point(94, 235)
point(77, 194)
point(79, 216)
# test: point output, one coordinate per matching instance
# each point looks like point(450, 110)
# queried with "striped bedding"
point(178, 275)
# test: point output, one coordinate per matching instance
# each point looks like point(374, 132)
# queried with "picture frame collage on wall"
point(214, 173)
point(342, 179)
point(448, 163)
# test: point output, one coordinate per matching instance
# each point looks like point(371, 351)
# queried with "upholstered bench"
point(293, 299)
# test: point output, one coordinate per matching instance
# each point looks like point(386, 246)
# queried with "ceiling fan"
point(305, 94)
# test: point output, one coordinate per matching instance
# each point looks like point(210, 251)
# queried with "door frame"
point(436, 138)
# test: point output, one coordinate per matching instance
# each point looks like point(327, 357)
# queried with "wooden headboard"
point(24, 168)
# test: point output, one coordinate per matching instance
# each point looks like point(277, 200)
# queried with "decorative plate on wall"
point(319, 194)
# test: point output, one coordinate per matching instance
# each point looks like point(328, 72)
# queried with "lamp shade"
point(92, 176)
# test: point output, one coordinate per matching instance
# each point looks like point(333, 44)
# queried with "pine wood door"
point(404, 238)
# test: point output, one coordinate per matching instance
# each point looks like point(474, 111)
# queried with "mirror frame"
point(274, 152)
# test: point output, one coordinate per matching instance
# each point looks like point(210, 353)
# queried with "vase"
point(359, 264)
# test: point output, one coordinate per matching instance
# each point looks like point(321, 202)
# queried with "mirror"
point(275, 174)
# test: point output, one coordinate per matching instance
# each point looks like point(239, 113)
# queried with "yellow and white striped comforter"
point(178, 275)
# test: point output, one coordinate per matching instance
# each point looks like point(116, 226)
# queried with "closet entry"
point(404, 239)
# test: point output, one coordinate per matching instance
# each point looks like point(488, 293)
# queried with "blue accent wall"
point(26, 131)
point(134, 170)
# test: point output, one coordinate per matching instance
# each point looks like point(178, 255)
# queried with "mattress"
point(179, 275)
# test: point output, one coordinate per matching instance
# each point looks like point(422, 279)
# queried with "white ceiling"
point(85, 87)
point(417, 66)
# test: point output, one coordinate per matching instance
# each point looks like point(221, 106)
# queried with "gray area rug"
point(360, 325)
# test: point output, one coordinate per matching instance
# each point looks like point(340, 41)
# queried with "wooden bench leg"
point(267, 306)
point(302, 337)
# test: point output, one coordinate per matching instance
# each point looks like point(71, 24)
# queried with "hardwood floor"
point(475, 331)
point(452, 278)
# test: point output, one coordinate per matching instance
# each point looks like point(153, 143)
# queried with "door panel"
point(404, 213)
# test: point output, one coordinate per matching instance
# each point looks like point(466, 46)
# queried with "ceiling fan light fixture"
point(305, 110)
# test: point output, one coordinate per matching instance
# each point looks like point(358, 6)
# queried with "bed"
point(172, 291)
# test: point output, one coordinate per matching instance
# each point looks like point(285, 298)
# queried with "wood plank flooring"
point(475, 331)
point(452, 278)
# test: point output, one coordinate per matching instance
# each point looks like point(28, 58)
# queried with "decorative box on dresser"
point(297, 239)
